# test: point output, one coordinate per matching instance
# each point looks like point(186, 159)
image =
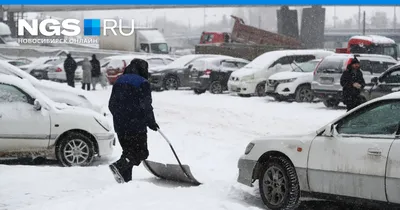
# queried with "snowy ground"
point(209, 133)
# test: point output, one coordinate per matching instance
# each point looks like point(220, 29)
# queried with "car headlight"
point(249, 148)
point(248, 77)
point(287, 80)
point(103, 124)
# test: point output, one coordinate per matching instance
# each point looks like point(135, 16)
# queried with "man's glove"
point(153, 126)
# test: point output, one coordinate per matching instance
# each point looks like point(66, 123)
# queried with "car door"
point(352, 161)
point(389, 82)
point(393, 172)
point(22, 127)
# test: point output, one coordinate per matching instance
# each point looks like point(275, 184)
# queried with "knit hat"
point(354, 61)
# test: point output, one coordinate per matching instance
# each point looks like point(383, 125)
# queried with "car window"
point(303, 58)
point(155, 61)
point(9, 94)
point(241, 65)
point(283, 61)
point(381, 118)
point(199, 64)
point(375, 67)
point(331, 65)
point(49, 61)
point(306, 67)
point(392, 77)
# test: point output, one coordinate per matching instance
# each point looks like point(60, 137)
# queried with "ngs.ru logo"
point(70, 27)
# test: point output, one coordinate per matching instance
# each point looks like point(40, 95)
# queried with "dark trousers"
point(354, 102)
point(134, 151)
point(87, 85)
point(71, 79)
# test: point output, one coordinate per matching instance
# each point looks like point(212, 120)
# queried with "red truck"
point(245, 41)
point(371, 44)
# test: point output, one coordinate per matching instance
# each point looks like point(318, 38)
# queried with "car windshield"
point(306, 67)
point(56, 62)
point(159, 48)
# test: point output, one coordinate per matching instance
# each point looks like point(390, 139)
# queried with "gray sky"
point(196, 15)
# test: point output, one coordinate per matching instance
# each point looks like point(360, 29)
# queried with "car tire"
point(78, 143)
point(260, 90)
point(278, 177)
point(304, 94)
point(278, 98)
point(330, 103)
point(171, 83)
point(216, 87)
point(199, 91)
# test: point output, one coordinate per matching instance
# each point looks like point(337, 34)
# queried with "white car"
point(55, 91)
point(37, 62)
point(355, 156)
point(251, 79)
point(33, 124)
point(57, 72)
point(295, 84)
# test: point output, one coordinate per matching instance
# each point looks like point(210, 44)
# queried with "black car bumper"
point(200, 83)
point(326, 95)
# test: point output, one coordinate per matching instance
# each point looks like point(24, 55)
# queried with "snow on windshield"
point(306, 67)
point(9, 69)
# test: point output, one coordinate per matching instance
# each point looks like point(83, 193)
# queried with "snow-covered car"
point(355, 156)
point(33, 124)
point(295, 84)
point(251, 79)
point(37, 62)
point(55, 91)
point(17, 62)
point(57, 72)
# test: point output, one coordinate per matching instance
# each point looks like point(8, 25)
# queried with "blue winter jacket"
point(130, 104)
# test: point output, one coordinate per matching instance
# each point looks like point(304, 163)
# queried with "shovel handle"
point(173, 150)
point(165, 137)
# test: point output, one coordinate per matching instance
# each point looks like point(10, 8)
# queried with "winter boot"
point(117, 169)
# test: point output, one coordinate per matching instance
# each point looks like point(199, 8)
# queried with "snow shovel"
point(173, 172)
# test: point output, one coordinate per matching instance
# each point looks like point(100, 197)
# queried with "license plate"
point(326, 80)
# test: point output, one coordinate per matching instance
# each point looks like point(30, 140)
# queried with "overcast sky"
point(196, 15)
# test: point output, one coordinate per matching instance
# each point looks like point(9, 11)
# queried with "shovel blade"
point(171, 172)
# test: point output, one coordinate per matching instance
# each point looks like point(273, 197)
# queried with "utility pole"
point(359, 17)
point(204, 19)
point(334, 17)
point(259, 21)
point(394, 18)
point(364, 23)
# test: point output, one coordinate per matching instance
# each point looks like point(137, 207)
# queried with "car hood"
point(66, 109)
point(289, 75)
point(245, 72)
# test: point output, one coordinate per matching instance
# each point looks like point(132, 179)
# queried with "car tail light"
point(207, 72)
point(58, 70)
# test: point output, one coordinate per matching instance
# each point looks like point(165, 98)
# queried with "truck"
point(371, 44)
point(146, 40)
point(244, 41)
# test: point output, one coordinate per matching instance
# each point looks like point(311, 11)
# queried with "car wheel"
point(260, 90)
point(75, 149)
point(304, 94)
point(171, 83)
point(278, 184)
point(199, 91)
point(216, 87)
point(331, 103)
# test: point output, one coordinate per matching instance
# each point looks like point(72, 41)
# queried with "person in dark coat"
point(131, 107)
point(70, 68)
point(95, 71)
point(352, 81)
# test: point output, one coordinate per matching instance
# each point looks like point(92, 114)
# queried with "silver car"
point(326, 81)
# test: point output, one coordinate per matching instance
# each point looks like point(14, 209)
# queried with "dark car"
point(213, 73)
point(175, 74)
point(388, 82)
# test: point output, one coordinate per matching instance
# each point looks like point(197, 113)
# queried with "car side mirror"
point(190, 66)
point(36, 105)
point(328, 130)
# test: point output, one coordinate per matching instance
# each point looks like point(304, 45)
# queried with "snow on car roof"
point(375, 39)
